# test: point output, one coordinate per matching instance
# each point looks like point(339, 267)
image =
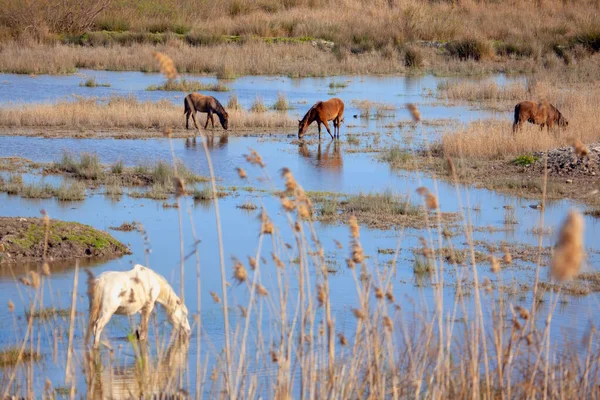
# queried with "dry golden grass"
point(381, 36)
point(481, 91)
point(126, 112)
point(495, 139)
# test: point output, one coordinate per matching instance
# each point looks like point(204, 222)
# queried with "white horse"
point(130, 292)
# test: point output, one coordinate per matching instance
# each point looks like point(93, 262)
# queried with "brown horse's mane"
point(220, 110)
point(309, 116)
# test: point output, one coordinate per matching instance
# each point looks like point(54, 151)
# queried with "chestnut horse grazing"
point(323, 111)
point(543, 114)
point(196, 102)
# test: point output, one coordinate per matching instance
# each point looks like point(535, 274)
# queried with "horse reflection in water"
point(211, 143)
point(330, 159)
point(145, 378)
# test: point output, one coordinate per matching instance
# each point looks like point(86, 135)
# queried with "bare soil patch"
point(23, 240)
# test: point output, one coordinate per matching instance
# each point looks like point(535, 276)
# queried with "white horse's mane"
point(167, 295)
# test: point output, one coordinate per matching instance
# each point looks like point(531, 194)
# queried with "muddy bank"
point(23, 240)
point(508, 177)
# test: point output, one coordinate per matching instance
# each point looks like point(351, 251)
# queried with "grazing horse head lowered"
point(130, 292)
point(196, 102)
point(323, 111)
point(543, 114)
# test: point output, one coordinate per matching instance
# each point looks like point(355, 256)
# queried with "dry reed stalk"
point(68, 369)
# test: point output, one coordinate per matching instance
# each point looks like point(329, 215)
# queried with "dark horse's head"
point(305, 122)
point(302, 127)
point(224, 119)
point(222, 114)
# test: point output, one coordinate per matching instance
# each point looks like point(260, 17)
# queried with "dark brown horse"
point(323, 111)
point(543, 114)
point(197, 102)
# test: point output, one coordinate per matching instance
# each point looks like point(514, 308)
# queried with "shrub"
point(258, 106)
point(233, 103)
point(470, 49)
point(413, 57)
point(590, 38)
point(525, 160)
point(519, 50)
point(281, 104)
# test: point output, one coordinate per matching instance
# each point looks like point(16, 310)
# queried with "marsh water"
point(327, 167)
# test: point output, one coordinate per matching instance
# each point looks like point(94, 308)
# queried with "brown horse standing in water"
point(543, 114)
point(196, 102)
point(323, 111)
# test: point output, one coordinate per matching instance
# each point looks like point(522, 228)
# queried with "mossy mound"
point(23, 240)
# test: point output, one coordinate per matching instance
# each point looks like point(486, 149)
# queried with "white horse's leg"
point(145, 312)
point(100, 324)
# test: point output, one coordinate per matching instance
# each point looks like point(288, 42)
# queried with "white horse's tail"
point(95, 298)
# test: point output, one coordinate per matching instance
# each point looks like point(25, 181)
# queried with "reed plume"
point(167, 66)
point(569, 249)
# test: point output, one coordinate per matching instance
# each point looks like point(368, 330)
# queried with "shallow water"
point(332, 168)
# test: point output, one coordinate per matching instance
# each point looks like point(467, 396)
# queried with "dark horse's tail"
point(517, 118)
point(186, 105)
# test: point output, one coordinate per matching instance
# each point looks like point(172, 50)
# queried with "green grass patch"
point(525, 160)
point(380, 203)
point(396, 156)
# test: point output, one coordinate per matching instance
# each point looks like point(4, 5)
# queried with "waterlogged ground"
point(336, 168)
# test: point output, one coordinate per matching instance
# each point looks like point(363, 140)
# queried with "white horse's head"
point(179, 318)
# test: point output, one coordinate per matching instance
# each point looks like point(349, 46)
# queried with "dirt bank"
point(23, 240)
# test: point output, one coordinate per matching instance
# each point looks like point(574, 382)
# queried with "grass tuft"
point(189, 86)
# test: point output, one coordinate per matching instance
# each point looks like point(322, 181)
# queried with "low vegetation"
point(184, 85)
point(299, 38)
point(10, 357)
point(481, 91)
point(281, 104)
point(91, 82)
point(126, 113)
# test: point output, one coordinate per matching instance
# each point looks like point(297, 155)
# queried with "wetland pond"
point(347, 168)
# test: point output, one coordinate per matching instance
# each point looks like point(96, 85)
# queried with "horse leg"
point(319, 126)
point(194, 119)
point(207, 118)
point(143, 329)
point(327, 127)
point(100, 324)
point(212, 120)
point(187, 120)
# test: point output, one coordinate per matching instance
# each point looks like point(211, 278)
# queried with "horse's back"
point(200, 101)
point(128, 290)
point(333, 107)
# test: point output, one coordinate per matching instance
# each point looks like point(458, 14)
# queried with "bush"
point(519, 50)
point(470, 49)
point(413, 57)
point(589, 38)
point(281, 104)
point(113, 24)
point(525, 160)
